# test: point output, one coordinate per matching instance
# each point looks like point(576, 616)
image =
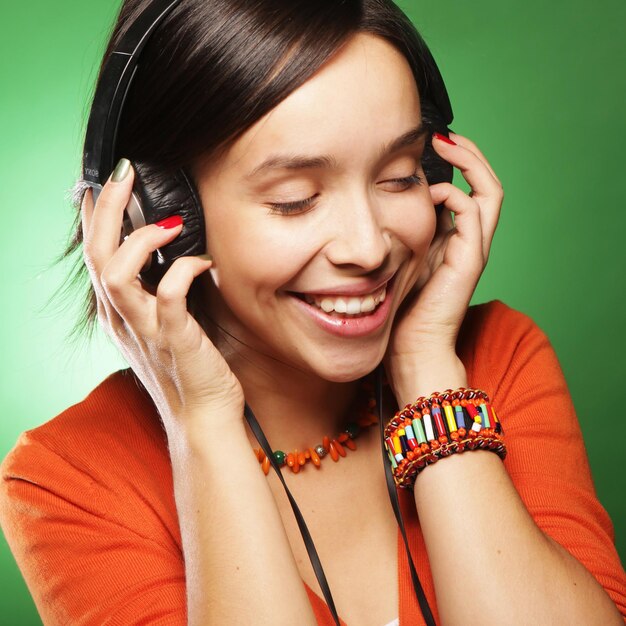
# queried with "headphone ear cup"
point(436, 169)
point(161, 195)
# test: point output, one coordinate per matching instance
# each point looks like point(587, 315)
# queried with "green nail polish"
point(205, 257)
point(121, 170)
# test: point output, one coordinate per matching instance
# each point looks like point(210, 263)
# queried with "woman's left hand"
point(428, 322)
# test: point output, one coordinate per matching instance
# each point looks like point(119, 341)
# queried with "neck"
point(294, 408)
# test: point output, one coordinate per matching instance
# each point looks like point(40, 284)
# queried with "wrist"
point(198, 431)
point(423, 375)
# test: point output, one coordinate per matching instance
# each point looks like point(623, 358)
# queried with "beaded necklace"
point(366, 416)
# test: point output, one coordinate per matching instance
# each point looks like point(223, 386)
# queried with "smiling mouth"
point(346, 306)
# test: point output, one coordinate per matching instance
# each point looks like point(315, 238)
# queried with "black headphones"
point(154, 196)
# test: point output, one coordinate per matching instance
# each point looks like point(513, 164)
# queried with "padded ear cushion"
point(161, 196)
point(436, 169)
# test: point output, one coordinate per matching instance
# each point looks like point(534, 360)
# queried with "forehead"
point(361, 99)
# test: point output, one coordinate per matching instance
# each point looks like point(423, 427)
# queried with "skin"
point(361, 225)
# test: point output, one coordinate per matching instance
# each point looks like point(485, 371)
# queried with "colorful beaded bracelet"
point(438, 426)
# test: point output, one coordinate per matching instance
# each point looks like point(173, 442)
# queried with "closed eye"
point(293, 207)
point(286, 208)
point(408, 181)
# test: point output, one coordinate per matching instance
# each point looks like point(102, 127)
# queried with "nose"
point(358, 235)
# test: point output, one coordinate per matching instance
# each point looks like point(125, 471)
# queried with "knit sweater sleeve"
point(91, 548)
point(513, 360)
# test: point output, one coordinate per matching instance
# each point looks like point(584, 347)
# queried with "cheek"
point(416, 229)
point(252, 254)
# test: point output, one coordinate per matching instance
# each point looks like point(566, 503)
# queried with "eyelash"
point(299, 205)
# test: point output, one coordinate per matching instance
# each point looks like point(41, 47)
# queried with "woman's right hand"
point(184, 373)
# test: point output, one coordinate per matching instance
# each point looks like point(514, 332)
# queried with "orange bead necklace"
point(336, 448)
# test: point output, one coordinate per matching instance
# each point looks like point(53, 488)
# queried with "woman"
point(104, 501)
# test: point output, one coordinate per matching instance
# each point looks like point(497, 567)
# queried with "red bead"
point(314, 457)
point(350, 443)
point(339, 448)
point(471, 409)
point(333, 452)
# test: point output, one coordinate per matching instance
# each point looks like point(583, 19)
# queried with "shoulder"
point(118, 414)
point(87, 508)
point(94, 455)
point(495, 323)
point(496, 340)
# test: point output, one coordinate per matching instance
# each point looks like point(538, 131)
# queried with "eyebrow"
point(299, 162)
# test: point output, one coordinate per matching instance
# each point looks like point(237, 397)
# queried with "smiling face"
point(322, 197)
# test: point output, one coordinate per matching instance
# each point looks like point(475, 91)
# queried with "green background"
point(538, 86)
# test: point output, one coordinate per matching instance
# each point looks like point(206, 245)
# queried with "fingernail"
point(170, 222)
point(121, 170)
point(205, 257)
point(444, 139)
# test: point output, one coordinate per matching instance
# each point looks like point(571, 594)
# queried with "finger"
point(445, 222)
point(489, 218)
point(470, 145)
point(86, 210)
point(467, 216)
point(475, 172)
point(102, 238)
point(119, 277)
point(486, 189)
point(86, 216)
point(105, 314)
point(172, 292)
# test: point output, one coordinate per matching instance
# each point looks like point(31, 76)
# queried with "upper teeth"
point(351, 305)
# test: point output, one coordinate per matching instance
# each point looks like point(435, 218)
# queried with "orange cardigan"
point(87, 502)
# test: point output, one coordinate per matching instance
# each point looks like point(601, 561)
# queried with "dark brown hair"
point(215, 67)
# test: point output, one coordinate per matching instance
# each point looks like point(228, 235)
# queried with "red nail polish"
point(170, 222)
point(444, 138)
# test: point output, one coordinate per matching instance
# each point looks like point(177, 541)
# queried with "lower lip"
point(349, 326)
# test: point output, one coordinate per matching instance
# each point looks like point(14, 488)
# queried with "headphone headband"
point(108, 102)
point(117, 76)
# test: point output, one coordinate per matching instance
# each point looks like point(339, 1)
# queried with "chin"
point(348, 364)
